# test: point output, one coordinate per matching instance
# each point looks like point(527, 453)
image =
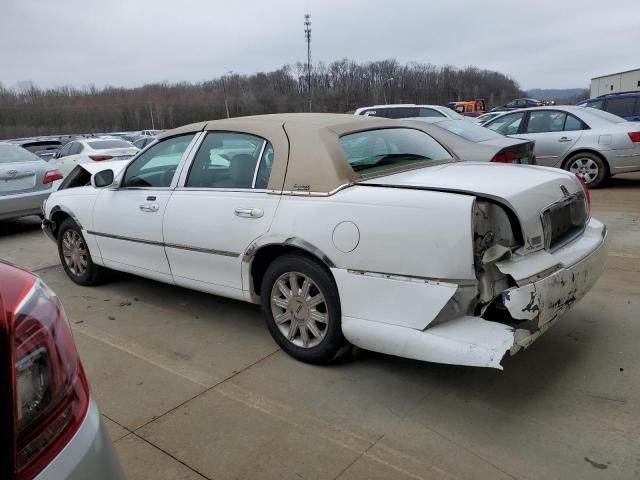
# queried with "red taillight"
point(52, 176)
point(505, 156)
point(634, 136)
point(99, 158)
point(49, 392)
point(585, 188)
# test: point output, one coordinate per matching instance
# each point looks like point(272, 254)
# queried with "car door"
point(554, 132)
point(221, 207)
point(127, 220)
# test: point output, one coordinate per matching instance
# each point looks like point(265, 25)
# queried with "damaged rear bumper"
point(547, 285)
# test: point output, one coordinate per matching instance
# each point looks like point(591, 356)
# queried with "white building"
point(628, 81)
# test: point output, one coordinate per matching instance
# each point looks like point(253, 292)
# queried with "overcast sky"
point(542, 43)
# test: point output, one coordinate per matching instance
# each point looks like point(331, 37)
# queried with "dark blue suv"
point(625, 105)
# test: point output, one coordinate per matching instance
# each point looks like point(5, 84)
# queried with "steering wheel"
point(167, 176)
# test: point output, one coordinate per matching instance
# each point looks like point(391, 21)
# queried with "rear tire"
point(75, 256)
point(590, 167)
point(301, 308)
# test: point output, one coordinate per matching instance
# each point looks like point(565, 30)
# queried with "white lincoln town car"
point(347, 230)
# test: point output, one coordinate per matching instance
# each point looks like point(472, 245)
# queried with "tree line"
point(340, 86)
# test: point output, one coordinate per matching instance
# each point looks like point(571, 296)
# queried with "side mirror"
point(103, 178)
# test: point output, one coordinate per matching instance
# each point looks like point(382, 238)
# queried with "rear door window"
point(545, 121)
point(573, 123)
point(507, 124)
point(402, 112)
point(429, 112)
point(623, 107)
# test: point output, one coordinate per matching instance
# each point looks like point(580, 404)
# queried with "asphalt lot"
point(192, 386)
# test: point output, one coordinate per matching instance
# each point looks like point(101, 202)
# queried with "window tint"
point(402, 112)
point(376, 150)
point(157, 166)
point(13, 153)
point(429, 112)
point(623, 107)
point(507, 124)
point(573, 123)
point(468, 131)
point(226, 160)
point(545, 121)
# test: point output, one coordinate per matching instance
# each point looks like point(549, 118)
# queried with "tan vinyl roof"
point(307, 153)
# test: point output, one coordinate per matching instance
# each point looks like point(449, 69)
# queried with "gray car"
point(25, 182)
point(472, 142)
point(590, 143)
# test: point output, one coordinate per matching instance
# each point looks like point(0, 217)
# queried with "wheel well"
point(57, 218)
point(592, 152)
point(266, 255)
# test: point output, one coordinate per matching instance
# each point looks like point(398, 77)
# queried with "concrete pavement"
point(192, 386)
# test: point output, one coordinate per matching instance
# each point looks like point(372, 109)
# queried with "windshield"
point(13, 153)
point(105, 144)
point(469, 131)
point(376, 150)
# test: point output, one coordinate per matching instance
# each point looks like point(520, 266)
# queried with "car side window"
point(74, 148)
point(402, 112)
point(573, 123)
point(507, 124)
point(226, 160)
point(157, 166)
point(545, 121)
point(375, 112)
point(264, 170)
point(429, 112)
point(623, 107)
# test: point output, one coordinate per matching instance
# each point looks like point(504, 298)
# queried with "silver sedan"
point(25, 182)
point(590, 143)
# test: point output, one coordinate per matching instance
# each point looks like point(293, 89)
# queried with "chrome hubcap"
point(74, 252)
point(299, 309)
point(586, 168)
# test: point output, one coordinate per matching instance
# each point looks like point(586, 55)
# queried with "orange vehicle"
point(471, 108)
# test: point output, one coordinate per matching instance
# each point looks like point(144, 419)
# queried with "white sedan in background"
point(345, 229)
point(91, 150)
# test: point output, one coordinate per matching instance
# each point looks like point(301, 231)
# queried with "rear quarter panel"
point(401, 231)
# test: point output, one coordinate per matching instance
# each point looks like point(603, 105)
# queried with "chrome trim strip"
point(166, 245)
point(303, 193)
point(255, 172)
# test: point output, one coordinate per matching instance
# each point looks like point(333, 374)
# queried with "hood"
point(526, 190)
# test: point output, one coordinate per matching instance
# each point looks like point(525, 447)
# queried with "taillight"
point(99, 158)
point(585, 189)
point(48, 386)
point(505, 156)
point(634, 136)
point(52, 176)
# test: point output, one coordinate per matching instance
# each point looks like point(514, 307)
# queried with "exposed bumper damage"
point(546, 286)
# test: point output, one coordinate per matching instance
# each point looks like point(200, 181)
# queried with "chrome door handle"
point(564, 139)
point(149, 207)
point(249, 212)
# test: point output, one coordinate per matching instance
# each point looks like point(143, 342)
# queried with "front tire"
point(75, 256)
point(301, 307)
point(590, 167)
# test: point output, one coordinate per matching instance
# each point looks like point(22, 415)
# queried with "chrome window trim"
point(255, 172)
point(222, 190)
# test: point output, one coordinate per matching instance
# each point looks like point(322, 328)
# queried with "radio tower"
point(307, 36)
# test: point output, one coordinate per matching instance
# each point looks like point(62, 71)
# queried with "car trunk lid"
point(21, 177)
point(527, 191)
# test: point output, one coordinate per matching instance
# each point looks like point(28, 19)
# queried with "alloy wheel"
point(74, 252)
point(586, 168)
point(299, 309)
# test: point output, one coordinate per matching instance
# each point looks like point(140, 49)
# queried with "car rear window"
point(373, 151)
point(623, 107)
point(14, 153)
point(105, 144)
point(469, 131)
